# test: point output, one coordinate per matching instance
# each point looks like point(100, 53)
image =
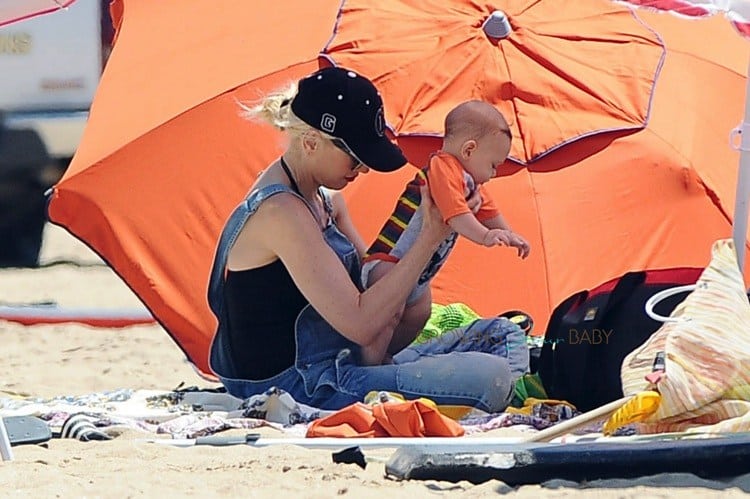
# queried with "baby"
point(476, 141)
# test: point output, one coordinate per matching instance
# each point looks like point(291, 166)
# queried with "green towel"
point(528, 385)
point(446, 318)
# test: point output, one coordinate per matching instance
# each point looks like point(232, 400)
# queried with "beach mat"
point(710, 458)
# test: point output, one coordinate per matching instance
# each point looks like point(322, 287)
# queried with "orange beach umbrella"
point(624, 164)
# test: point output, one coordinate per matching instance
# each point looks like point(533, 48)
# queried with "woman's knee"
point(499, 384)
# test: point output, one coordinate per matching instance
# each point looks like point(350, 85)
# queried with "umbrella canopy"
point(17, 10)
point(738, 11)
point(165, 156)
point(539, 72)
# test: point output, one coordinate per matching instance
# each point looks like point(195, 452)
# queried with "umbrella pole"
point(739, 233)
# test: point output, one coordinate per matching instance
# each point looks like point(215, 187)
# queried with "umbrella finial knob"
point(497, 25)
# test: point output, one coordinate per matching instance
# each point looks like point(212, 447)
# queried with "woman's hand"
point(432, 221)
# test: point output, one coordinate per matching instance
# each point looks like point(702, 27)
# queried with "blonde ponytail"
point(275, 109)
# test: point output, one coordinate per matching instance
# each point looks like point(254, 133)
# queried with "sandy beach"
point(72, 359)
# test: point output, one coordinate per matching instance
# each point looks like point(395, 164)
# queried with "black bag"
point(590, 333)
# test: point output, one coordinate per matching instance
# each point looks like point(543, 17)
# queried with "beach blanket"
point(181, 414)
point(192, 413)
point(706, 351)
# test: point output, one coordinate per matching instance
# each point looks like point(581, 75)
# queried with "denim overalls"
point(452, 369)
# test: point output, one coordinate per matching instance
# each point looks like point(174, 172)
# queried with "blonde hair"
point(276, 110)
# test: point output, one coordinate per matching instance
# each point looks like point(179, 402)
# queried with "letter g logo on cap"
point(328, 123)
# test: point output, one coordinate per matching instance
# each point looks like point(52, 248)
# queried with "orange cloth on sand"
point(413, 418)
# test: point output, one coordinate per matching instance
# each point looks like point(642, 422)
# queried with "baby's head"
point(477, 134)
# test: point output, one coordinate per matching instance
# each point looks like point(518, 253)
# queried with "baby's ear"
point(468, 148)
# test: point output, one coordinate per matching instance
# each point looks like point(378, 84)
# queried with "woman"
point(285, 284)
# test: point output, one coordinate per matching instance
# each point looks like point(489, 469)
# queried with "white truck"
point(50, 66)
point(49, 69)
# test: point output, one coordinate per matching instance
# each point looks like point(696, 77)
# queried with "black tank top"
point(262, 305)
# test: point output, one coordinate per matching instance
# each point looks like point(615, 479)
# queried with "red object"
point(737, 10)
point(33, 315)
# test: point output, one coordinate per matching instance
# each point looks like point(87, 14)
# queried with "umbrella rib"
point(512, 103)
point(709, 191)
point(741, 74)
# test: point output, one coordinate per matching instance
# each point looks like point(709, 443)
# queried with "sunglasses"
point(341, 145)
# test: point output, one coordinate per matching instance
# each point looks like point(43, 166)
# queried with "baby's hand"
point(520, 243)
point(496, 237)
point(500, 237)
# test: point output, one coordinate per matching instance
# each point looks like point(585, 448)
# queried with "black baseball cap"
point(347, 106)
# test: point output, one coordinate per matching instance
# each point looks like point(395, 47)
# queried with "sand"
point(70, 359)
